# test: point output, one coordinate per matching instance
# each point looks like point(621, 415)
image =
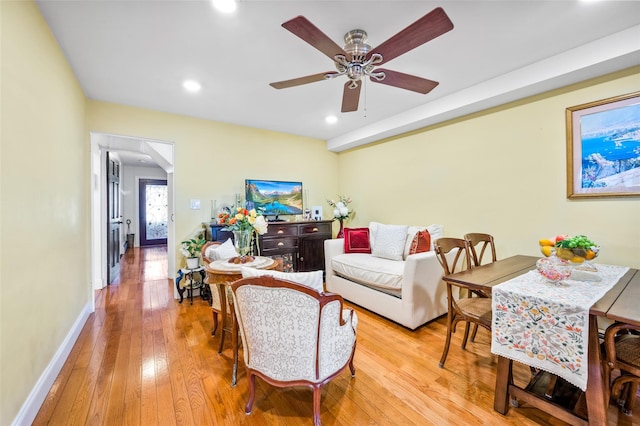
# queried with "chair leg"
point(467, 325)
point(631, 397)
point(215, 323)
point(475, 331)
point(252, 392)
point(317, 392)
point(448, 341)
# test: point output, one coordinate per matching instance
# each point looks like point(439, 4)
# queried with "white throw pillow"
point(222, 251)
point(311, 279)
point(389, 241)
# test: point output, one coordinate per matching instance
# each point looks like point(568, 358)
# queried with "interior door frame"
point(100, 143)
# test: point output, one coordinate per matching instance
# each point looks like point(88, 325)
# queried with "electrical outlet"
point(195, 204)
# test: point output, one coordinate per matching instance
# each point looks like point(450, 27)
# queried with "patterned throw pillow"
point(389, 242)
point(421, 242)
point(356, 240)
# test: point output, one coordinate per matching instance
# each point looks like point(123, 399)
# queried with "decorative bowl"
point(554, 269)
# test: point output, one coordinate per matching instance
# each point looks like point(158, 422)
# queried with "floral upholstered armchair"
point(292, 335)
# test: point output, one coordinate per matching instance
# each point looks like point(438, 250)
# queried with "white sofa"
point(410, 291)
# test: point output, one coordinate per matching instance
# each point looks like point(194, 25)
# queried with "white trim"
point(38, 394)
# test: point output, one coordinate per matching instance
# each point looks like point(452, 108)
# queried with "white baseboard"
point(36, 397)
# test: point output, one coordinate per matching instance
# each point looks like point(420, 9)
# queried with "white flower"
point(336, 212)
point(344, 211)
point(260, 225)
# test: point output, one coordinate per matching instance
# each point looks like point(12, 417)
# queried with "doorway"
point(114, 217)
point(162, 154)
point(153, 214)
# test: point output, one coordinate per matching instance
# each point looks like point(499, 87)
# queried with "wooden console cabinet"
point(301, 243)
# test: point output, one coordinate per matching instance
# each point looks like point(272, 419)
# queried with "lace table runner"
point(546, 325)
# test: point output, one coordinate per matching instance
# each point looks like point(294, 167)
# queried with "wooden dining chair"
point(455, 256)
point(622, 352)
point(479, 242)
point(479, 245)
point(215, 297)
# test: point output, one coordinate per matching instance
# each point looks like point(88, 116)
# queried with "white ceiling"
point(139, 52)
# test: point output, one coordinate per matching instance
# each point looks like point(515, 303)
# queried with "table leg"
point(223, 312)
point(234, 341)
point(504, 377)
point(597, 393)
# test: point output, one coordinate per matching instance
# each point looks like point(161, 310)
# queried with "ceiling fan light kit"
point(357, 60)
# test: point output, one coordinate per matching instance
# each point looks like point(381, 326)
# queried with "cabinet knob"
point(280, 243)
point(301, 259)
point(315, 230)
point(280, 231)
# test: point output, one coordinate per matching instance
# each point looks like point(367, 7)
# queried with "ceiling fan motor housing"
point(355, 45)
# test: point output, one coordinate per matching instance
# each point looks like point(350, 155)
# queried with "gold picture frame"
point(603, 148)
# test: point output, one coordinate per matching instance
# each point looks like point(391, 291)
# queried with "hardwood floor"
point(144, 359)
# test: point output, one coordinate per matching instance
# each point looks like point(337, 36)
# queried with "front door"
point(153, 212)
point(114, 217)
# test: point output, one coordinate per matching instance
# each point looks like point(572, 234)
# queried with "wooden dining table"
point(620, 303)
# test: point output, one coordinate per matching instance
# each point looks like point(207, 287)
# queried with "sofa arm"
point(423, 274)
point(332, 248)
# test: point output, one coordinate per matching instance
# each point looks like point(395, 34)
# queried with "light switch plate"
point(195, 204)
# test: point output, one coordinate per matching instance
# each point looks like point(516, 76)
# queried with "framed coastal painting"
point(603, 148)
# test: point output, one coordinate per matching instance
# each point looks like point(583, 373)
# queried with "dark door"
point(153, 212)
point(114, 218)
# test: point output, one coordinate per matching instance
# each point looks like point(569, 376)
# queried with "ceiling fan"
point(358, 60)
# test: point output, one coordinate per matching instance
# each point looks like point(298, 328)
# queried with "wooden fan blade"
point(301, 80)
point(351, 97)
point(430, 26)
point(304, 29)
point(405, 81)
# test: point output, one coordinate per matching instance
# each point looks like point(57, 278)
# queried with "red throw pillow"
point(356, 240)
point(421, 242)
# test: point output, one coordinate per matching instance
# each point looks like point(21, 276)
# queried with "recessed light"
point(224, 6)
point(331, 119)
point(192, 86)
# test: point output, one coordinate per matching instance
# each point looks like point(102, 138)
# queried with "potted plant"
point(191, 249)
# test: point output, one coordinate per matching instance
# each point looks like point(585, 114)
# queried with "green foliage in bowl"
point(579, 241)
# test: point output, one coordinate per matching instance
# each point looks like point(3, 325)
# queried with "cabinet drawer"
point(275, 230)
point(279, 243)
point(319, 228)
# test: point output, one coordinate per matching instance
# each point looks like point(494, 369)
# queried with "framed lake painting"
point(603, 148)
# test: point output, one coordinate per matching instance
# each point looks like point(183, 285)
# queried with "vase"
point(341, 230)
point(193, 262)
point(242, 241)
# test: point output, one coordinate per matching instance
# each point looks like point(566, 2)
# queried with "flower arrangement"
point(341, 210)
point(191, 248)
point(243, 220)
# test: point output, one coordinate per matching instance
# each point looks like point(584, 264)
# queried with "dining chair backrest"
point(453, 254)
point(482, 243)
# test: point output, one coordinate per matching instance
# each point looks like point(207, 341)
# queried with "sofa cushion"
point(421, 242)
point(435, 231)
point(389, 241)
point(311, 279)
point(373, 271)
point(222, 251)
point(356, 240)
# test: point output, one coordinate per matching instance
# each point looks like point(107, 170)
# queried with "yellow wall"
point(44, 219)
point(501, 172)
point(213, 159)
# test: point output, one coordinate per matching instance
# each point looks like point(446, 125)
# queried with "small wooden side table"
point(223, 274)
point(189, 283)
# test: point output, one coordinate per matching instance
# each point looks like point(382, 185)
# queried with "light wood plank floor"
point(144, 359)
